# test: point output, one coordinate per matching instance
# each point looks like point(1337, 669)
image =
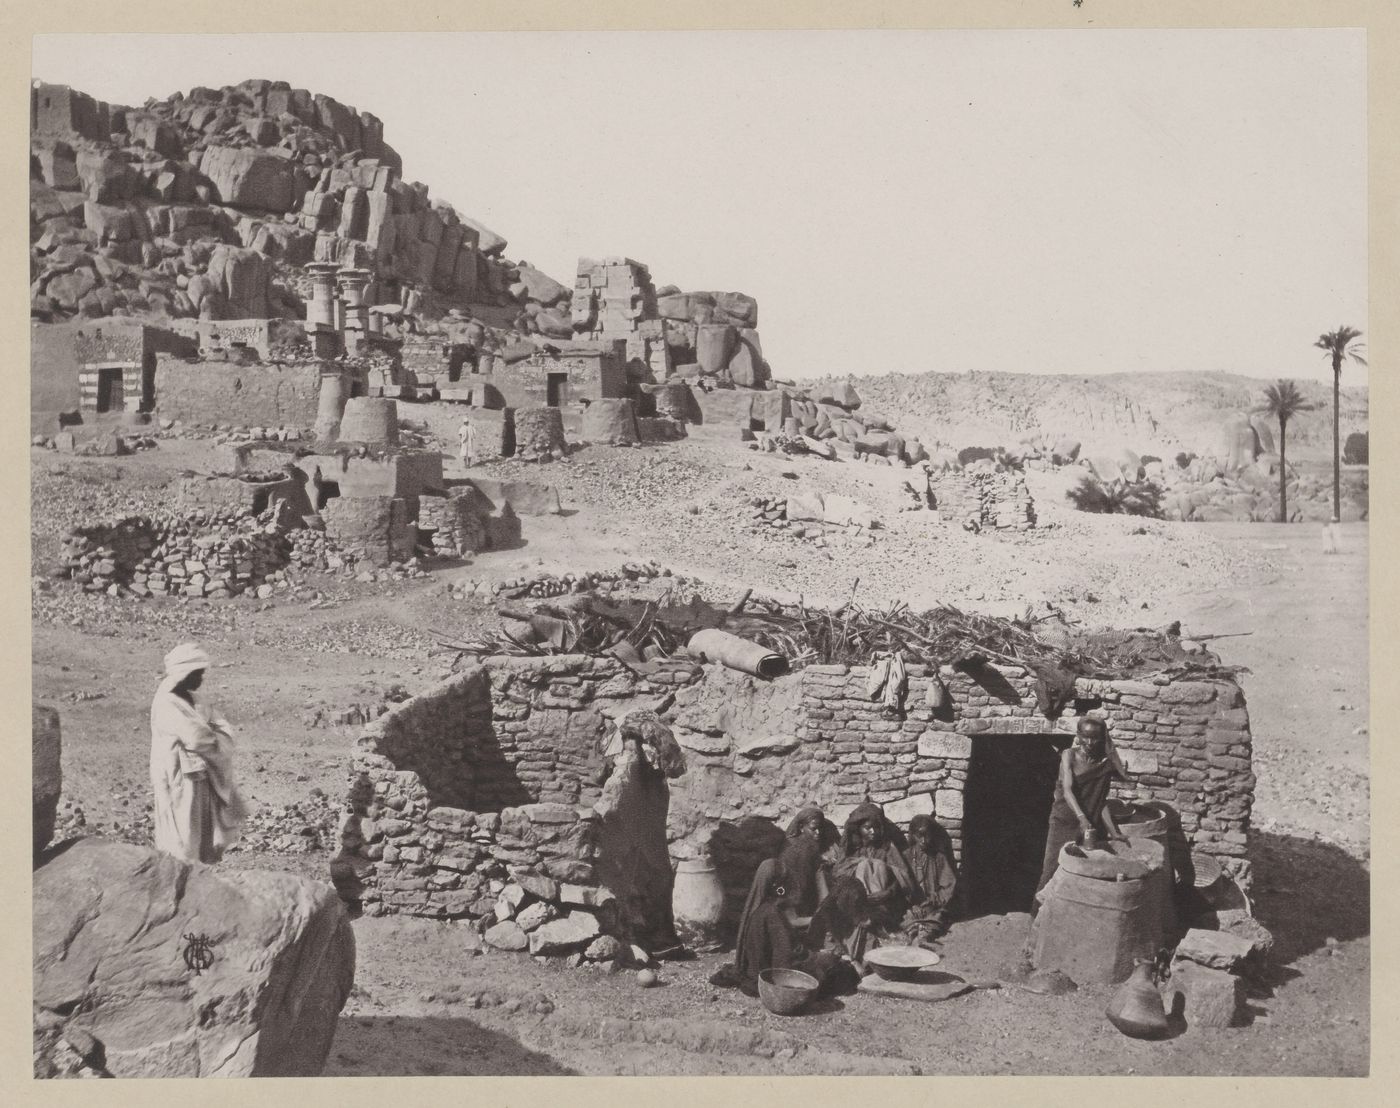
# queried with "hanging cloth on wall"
point(888, 680)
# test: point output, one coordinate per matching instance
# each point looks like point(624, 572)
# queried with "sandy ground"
point(1305, 616)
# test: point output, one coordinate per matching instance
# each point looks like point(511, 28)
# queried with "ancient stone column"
point(320, 312)
point(331, 405)
point(353, 283)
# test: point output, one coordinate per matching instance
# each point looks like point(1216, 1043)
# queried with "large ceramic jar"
point(697, 903)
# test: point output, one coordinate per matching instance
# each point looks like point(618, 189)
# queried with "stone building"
point(563, 375)
point(117, 363)
point(436, 782)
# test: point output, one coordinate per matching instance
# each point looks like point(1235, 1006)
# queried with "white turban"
point(185, 659)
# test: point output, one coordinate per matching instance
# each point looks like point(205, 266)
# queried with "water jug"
point(697, 903)
point(1136, 1006)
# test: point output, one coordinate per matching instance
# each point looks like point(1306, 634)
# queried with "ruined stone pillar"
point(320, 312)
point(331, 404)
point(353, 283)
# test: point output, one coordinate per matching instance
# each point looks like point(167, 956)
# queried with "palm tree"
point(1283, 401)
point(1335, 343)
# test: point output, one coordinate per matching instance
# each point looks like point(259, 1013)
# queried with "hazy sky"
point(1036, 201)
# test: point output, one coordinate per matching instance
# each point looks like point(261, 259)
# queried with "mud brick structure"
point(516, 732)
point(578, 371)
point(247, 395)
point(436, 363)
point(227, 336)
point(117, 363)
point(996, 501)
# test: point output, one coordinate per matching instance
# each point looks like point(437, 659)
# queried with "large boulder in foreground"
point(48, 773)
point(111, 971)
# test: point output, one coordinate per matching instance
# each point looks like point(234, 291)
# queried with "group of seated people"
point(826, 899)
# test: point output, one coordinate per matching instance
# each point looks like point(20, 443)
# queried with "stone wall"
point(196, 556)
point(224, 335)
point(592, 371)
point(236, 494)
point(435, 362)
point(378, 527)
point(996, 501)
point(242, 395)
point(495, 428)
point(517, 732)
point(406, 474)
point(492, 774)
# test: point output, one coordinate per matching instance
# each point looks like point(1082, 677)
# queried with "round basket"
point(1207, 870)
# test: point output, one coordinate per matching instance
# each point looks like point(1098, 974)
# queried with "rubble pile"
point(769, 516)
point(548, 584)
point(211, 203)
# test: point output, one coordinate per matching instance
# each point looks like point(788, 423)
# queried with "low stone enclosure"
point(499, 776)
point(238, 532)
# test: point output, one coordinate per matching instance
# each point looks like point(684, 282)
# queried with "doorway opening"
point(111, 393)
point(1006, 814)
point(555, 386)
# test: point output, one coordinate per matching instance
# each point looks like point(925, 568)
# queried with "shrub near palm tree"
point(1283, 401)
point(1338, 346)
point(1117, 497)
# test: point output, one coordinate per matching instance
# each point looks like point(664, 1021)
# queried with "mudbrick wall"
point(495, 771)
point(997, 501)
point(226, 392)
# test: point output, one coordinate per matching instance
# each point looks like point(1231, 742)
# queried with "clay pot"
point(1136, 1006)
point(697, 903)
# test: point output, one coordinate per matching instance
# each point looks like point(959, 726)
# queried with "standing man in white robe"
point(198, 810)
point(466, 443)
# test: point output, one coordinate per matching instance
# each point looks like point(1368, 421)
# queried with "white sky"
point(1032, 201)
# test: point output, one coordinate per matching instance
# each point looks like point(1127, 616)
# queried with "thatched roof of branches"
point(1045, 643)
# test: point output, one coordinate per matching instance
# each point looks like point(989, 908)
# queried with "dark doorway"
point(555, 386)
point(1006, 811)
point(111, 395)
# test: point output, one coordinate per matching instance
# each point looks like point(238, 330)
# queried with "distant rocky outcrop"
point(1150, 413)
point(209, 203)
point(145, 966)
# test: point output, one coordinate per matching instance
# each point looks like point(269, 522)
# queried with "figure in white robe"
point(198, 810)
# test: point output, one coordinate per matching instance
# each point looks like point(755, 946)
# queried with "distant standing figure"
point(466, 443)
point(198, 809)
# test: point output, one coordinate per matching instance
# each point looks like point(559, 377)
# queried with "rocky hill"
point(211, 202)
point(1156, 413)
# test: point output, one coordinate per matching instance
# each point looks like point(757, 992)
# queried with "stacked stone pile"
point(539, 434)
point(995, 498)
point(548, 584)
point(457, 525)
point(202, 554)
point(769, 516)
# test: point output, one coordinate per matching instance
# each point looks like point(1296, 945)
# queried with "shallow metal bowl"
point(900, 963)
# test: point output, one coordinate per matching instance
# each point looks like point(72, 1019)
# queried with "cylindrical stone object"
point(371, 419)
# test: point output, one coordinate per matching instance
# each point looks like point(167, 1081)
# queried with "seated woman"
point(870, 854)
point(768, 940)
point(807, 839)
point(930, 861)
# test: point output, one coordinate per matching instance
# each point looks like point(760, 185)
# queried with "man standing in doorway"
point(466, 443)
